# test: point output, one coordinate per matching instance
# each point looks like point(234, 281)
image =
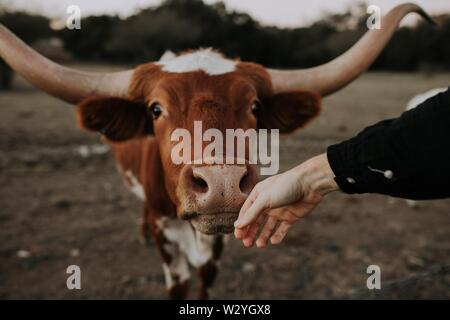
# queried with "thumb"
point(253, 211)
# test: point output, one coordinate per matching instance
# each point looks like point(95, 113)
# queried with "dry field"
point(61, 205)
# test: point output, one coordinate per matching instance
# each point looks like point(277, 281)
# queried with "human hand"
point(276, 203)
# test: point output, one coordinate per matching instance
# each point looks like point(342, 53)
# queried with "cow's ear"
point(117, 119)
point(288, 110)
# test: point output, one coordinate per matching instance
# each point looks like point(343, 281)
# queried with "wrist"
point(317, 175)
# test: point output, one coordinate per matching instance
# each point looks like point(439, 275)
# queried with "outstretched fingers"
point(249, 238)
point(281, 232)
point(266, 231)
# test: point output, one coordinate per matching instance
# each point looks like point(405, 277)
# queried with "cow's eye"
point(255, 107)
point(155, 110)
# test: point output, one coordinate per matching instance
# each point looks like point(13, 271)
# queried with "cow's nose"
point(218, 188)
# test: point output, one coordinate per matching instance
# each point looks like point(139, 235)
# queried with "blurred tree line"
point(186, 24)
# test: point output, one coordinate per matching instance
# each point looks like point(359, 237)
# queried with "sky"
point(282, 13)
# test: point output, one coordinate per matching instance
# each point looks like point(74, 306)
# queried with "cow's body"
point(200, 85)
point(178, 243)
point(187, 221)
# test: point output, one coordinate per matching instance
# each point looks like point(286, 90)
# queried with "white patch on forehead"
point(168, 55)
point(206, 59)
point(134, 185)
point(197, 247)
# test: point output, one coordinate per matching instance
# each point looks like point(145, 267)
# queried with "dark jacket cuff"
point(344, 168)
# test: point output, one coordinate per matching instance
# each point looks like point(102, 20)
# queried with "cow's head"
point(156, 98)
point(221, 93)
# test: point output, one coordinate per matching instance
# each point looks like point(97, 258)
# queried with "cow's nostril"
point(200, 185)
point(245, 185)
point(193, 180)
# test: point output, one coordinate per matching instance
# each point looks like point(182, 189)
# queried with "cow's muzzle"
point(212, 195)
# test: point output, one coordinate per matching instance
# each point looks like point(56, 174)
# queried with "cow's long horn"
point(65, 83)
point(336, 74)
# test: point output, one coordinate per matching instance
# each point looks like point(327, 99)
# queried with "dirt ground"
point(61, 204)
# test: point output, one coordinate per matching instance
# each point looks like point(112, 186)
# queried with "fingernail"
point(237, 223)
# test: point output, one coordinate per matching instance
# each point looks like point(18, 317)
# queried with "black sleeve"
point(406, 157)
